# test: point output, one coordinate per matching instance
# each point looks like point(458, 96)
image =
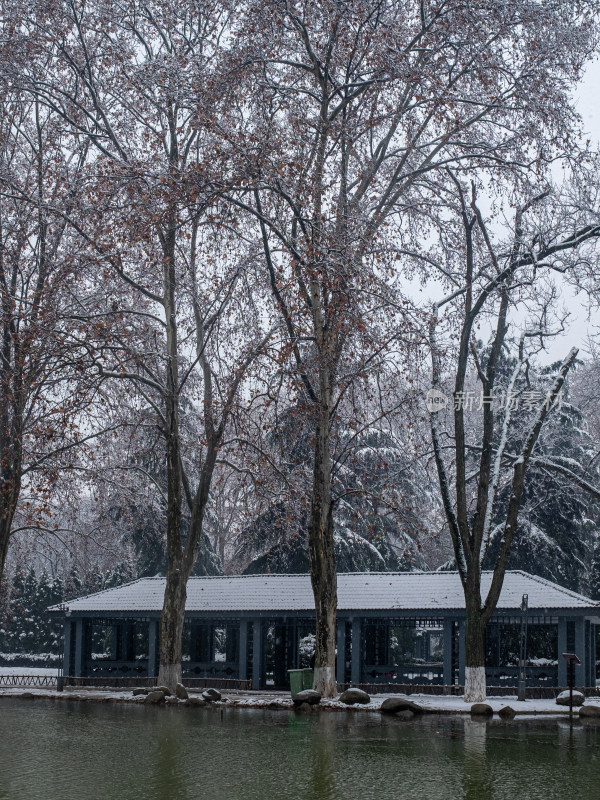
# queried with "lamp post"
point(571, 659)
point(522, 687)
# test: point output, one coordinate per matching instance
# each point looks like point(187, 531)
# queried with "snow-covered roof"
point(402, 591)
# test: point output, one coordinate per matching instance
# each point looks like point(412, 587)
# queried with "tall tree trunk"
point(475, 680)
point(173, 613)
point(10, 490)
point(171, 628)
point(5, 526)
point(322, 559)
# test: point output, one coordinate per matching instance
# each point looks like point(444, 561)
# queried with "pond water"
point(89, 751)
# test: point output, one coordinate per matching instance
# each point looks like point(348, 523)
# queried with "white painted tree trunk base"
point(325, 683)
point(169, 675)
point(475, 685)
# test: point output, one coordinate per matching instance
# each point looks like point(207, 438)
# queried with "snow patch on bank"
point(435, 704)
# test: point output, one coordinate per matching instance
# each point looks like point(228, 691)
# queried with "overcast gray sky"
point(582, 324)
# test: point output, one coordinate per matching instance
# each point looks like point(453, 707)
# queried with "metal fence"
point(114, 682)
point(44, 681)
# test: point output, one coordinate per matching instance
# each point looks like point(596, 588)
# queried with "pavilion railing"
point(536, 676)
point(100, 668)
point(431, 674)
point(217, 683)
point(227, 670)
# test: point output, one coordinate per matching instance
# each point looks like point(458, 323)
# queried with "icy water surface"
point(86, 751)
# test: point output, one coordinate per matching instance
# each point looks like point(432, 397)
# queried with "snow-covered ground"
point(281, 700)
point(431, 703)
point(28, 671)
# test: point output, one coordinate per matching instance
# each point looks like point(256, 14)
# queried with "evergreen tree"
point(594, 580)
point(378, 514)
point(556, 532)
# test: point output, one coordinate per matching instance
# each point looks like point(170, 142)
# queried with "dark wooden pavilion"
point(393, 628)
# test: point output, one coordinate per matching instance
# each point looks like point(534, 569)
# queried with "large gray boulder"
point(592, 711)
point(194, 700)
point(563, 698)
point(157, 696)
point(481, 710)
point(307, 696)
point(506, 712)
point(181, 692)
point(210, 695)
point(394, 705)
point(139, 691)
point(164, 689)
point(353, 695)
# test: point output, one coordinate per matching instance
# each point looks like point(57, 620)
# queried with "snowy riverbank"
point(436, 704)
point(8, 670)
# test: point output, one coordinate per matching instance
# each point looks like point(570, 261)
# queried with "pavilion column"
point(79, 648)
point(243, 650)
point(231, 642)
point(128, 641)
point(356, 650)
point(114, 642)
point(461, 652)
point(341, 651)
point(593, 634)
point(448, 647)
point(562, 648)
point(67, 652)
point(498, 644)
point(152, 648)
point(588, 653)
point(257, 654)
point(280, 674)
point(581, 650)
point(291, 647)
point(201, 642)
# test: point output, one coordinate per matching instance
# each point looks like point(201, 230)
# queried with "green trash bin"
point(308, 678)
point(296, 680)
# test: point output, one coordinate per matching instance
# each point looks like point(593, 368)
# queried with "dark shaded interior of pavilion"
point(391, 651)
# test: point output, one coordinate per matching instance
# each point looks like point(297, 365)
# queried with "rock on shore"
point(211, 695)
point(307, 696)
point(353, 695)
point(398, 705)
point(563, 698)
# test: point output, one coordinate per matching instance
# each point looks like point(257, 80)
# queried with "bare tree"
point(355, 109)
point(165, 264)
point(47, 400)
point(493, 282)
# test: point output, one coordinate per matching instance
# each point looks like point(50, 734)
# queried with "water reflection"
point(169, 778)
point(98, 752)
point(477, 778)
point(322, 783)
